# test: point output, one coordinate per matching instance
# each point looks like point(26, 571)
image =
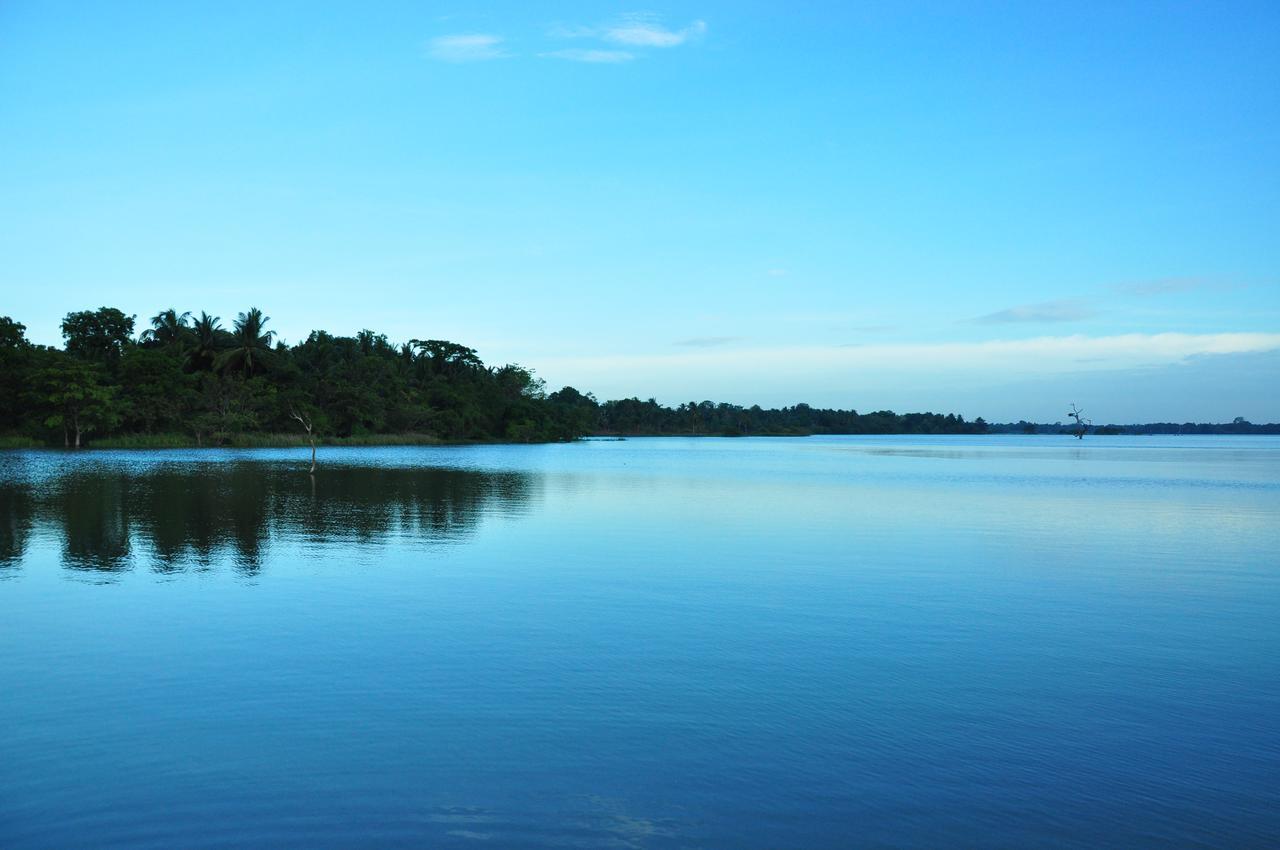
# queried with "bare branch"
point(1082, 424)
point(305, 421)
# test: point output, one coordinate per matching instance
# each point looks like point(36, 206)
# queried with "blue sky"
point(995, 209)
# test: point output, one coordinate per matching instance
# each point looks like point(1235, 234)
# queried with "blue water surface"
point(986, 641)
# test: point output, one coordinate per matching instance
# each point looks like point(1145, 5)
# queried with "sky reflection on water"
point(911, 642)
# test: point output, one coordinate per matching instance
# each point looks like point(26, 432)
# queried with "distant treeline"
point(1238, 426)
point(635, 417)
point(185, 379)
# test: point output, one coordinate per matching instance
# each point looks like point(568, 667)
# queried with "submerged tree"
point(1082, 424)
point(305, 421)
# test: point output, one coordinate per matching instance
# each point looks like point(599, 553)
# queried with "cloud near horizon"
point(466, 47)
point(1001, 379)
point(997, 357)
point(1046, 311)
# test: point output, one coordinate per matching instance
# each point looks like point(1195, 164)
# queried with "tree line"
point(1239, 425)
point(200, 380)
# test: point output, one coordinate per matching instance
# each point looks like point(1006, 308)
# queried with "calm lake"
point(825, 642)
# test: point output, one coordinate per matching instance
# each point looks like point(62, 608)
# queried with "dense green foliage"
point(632, 416)
point(186, 379)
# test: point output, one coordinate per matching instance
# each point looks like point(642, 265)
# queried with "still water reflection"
point(883, 642)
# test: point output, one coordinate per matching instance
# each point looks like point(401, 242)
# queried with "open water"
point(996, 641)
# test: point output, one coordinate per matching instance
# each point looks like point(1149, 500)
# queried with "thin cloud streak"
point(642, 31)
point(634, 30)
point(466, 47)
point(1047, 311)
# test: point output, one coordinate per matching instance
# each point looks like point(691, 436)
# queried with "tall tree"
point(447, 358)
point(15, 354)
point(73, 395)
point(99, 335)
point(250, 349)
point(167, 328)
point(207, 340)
point(13, 335)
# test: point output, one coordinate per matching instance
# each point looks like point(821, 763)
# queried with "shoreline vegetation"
point(145, 442)
point(187, 382)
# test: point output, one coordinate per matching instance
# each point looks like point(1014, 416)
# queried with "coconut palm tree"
point(250, 349)
point(207, 341)
point(167, 327)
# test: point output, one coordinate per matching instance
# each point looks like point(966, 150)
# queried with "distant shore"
point(144, 442)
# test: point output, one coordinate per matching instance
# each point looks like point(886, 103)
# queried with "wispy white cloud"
point(604, 57)
point(1047, 311)
point(644, 31)
point(466, 47)
point(777, 272)
point(639, 30)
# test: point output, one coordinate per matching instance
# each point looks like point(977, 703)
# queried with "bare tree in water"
point(305, 421)
point(1082, 424)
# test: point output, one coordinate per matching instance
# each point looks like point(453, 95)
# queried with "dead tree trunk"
point(305, 421)
point(1082, 424)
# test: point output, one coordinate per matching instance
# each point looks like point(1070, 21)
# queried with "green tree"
point(250, 349)
point(72, 395)
point(168, 327)
point(99, 335)
point(230, 405)
point(156, 394)
point(447, 358)
point(208, 339)
point(15, 356)
point(13, 335)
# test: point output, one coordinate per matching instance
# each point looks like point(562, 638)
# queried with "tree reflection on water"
point(178, 516)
